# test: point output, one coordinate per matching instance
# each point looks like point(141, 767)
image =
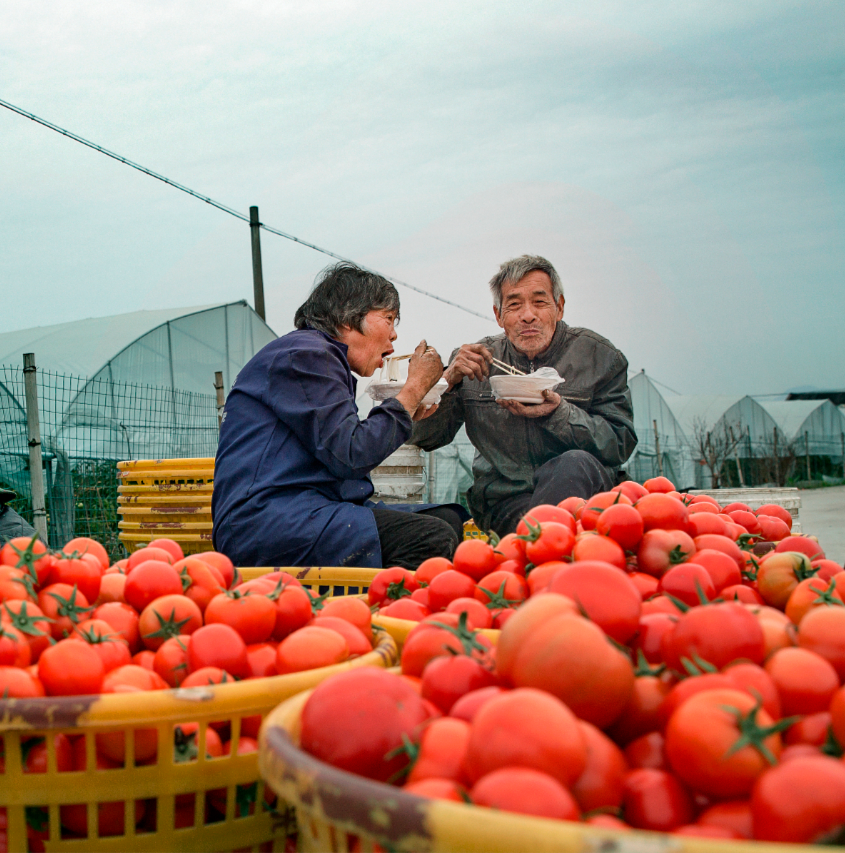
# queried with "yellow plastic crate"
point(472, 531)
point(400, 628)
point(333, 807)
point(162, 780)
point(166, 464)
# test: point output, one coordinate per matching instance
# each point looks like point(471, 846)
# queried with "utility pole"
point(33, 430)
point(221, 395)
point(735, 444)
point(807, 452)
point(257, 274)
point(777, 458)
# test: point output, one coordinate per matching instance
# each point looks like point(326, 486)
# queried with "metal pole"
point(736, 458)
point(657, 448)
point(33, 430)
point(807, 452)
point(257, 275)
point(777, 458)
point(221, 396)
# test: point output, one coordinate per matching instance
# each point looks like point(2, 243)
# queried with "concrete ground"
point(823, 515)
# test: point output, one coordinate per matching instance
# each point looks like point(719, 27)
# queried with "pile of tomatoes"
point(72, 624)
point(664, 663)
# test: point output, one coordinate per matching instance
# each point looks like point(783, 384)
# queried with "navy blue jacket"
point(291, 476)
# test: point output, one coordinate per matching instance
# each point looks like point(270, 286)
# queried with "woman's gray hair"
point(514, 270)
point(343, 295)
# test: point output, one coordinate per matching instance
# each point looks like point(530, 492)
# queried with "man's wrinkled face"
point(529, 313)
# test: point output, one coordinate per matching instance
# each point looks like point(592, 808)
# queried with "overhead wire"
point(225, 208)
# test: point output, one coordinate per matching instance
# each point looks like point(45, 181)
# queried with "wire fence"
point(88, 425)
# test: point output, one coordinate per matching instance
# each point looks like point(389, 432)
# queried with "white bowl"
point(523, 389)
point(386, 390)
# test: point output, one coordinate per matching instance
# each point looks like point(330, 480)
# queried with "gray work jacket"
point(595, 414)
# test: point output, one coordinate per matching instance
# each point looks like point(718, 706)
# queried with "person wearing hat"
point(11, 523)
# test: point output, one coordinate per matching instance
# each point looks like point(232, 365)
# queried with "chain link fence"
point(87, 425)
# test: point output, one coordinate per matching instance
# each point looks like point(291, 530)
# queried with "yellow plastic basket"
point(400, 628)
point(472, 531)
point(156, 784)
point(338, 811)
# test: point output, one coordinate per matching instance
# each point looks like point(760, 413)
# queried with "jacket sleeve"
point(606, 429)
point(309, 392)
point(440, 429)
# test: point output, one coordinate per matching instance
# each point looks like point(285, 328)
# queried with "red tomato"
point(168, 616)
point(688, 687)
point(640, 715)
point(812, 729)
point(448, 586)
point(734, 815)
point(737, 505)
point(706, 523)
point(204, 581)
point(592, 546)
point(597, 504)
point(776, 511)
point(310, 648)
point(574, 505)
point(406, 608)
point(646, 585)
point(803, 545)
point(605, 594)
point(391, 584)
point(646, 752)
point(659, 484)
point(149, 581)
point(722, 569)
point(17, 683)
point(437, 789)
point(145, 659)
point(650, 631)
point(527, 728)
point(440, 634)
point(540, 576)
point(631, 489)
point(705, 745)
point(442, 749)
point(823, 632)
point(171, 546)
point(208, 675)
point(358, 642)
point(717, 634)
point(662, 549)
point(353, 610)
point(501, 590)
point(662, 511)
point(656, 800)
point(600, 785)
point(811, 594)
point(525, 791)
point(293, 610)
point(218, 645)
point(27, 618)
point(252, 616)
point(123, 619)
point(132, 679)
point(837, 715)
point(799, 801)
point(545, 512)
point(82, 545)
point(171, 660)
point(420, 596)
point(337, 722)
point(65, 605)
point(430, 568)
point(772, 529)
point(144, 554)
point(471, 703)
point(545, 646)
point(222, 563)
point(14, 648)
point(446, 679)
point(70, 668)
point(690, 583)
point(549, 541)
point(474, 558)
point(755, 681)
point(106, 642)
point(30, 555)
point(805, 681)
point(745, 519)
point(261, 658)
point(741, 593)
point(478, 616)
point(511, 547)
point(623, 524)
point(111, 588)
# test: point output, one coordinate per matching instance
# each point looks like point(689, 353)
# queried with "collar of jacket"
point(544, 359)
point(344, 348)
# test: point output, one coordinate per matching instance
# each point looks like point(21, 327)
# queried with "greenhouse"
point(131, 386)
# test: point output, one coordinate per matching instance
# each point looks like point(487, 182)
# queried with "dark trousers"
point(408, 538)
point(575, 473)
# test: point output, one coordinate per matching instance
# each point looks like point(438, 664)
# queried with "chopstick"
point(508, 368)
point(399, 357)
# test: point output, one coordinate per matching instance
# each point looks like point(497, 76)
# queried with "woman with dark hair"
point(291, 479)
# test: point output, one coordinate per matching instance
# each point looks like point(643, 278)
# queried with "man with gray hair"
point(571, 444)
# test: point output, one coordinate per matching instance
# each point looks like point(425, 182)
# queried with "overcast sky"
point(680, 162)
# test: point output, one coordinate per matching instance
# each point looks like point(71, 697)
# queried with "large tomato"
point(70, 668)
point(722, 569)
point(524, 791)
point(441, 634)
point(252, 616)
point(123, 619)
point(597, 504)
point(811, 594)
point(391, 584)
point(549, 540)
point(823, 632)
point(82, 545)
point(545, 646)
point(526, 728)
point(544, 512)
point(662, 511)
point(446, 679)
point(716, 634)
point(218, 645)
point(65, 606)
point(592, 546)
point(805, 681)
point(719, 741)
point(802, 801)
point(474, 558)
point(149, 581)
point(605, 594)
point(337, 722)
point(311, 647)
point(655, 799)
point(442, 749)
point(623, 524)
point(780, 573)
